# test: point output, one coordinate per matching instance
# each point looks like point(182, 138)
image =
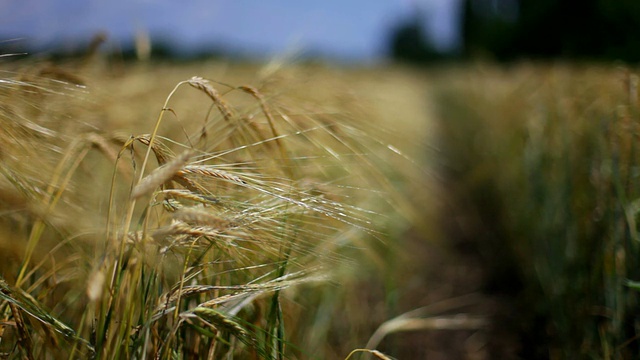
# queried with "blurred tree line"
point(511, 29)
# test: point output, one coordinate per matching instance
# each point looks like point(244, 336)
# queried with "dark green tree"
point(486, 29)
point(409, 41)
point(579, 29)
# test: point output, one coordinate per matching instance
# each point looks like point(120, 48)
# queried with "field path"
point(443, 265)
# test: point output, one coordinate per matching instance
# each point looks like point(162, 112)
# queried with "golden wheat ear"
point(206, 87)
point(161, 175)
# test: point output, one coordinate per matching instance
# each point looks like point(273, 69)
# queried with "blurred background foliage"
point(541, 164)
point(512, 29)
point(502, 30)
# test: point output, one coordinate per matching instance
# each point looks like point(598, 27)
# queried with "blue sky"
point(355, 29)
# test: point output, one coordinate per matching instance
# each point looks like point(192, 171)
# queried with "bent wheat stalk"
point(205, 86)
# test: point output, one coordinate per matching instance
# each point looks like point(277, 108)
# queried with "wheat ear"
point(211, 172)
point(205, 86)
point(161, 175)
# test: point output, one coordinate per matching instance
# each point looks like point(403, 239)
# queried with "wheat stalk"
point(265, 109)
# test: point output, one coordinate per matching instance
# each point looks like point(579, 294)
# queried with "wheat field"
point(222, 209)
point(207, 210)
